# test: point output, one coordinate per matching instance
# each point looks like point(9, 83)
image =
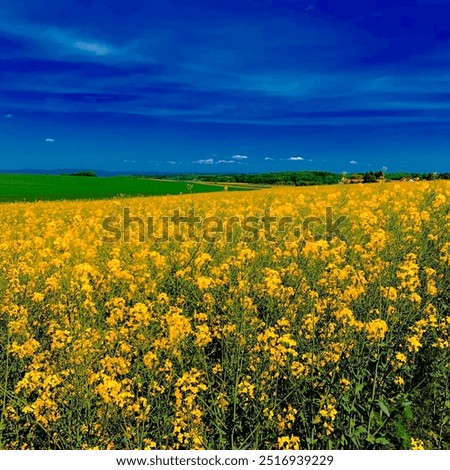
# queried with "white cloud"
point(48, 139)
point(93, 47)
point(239, 157)
point(269, 158)
point(59, 41)
point(296, 158)
point(70, 41)
point(225, 161)
point(8, 116)
point(171, 162)
point(205, 161)
point(353, 162)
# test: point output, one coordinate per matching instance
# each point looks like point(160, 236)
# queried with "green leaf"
point(360, 430)
point(382, 440)
point(384, 408)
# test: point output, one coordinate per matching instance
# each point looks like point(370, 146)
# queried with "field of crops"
point(283, 318)
point(56, 187)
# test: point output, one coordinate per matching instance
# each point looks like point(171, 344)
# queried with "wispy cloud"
point(239, 157)
point(75, 42)
point(269, 158)
point(204, 161)
point(48, 139)
point(171, 162)
point(226, 161)
point(295, 158)
point(8, 116)
point(353, 162)
point(94, 47)
point(57, 40)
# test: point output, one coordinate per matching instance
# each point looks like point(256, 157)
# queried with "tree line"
point(300, 178)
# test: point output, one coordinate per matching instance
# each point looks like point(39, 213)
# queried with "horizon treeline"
point(300, 178)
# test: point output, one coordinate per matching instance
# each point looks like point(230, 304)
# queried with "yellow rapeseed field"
point(285, 318)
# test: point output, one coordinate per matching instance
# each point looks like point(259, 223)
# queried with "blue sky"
point(225, 85)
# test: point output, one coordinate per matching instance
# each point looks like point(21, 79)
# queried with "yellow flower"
point(417, 444)
point(222, 401)
point(202, 335)
point(389, 293)
point(399, 381)
point(376, 329)
point(204, 282)
point(149, 444)
point(345, 383)
point(150, 359)
point(414, 343)
point(201, 259)
point(26, 349)
point(246, 388)
point(37, 297)
point(401, 358)
point(328, 412)
point(439, 201)
point(289, 443)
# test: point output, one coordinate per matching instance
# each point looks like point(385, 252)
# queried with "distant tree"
point(84, 173)
point(379, 175)
point(369, 177)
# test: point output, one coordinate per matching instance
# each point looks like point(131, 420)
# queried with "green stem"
point(374, 387)
point(5, 389)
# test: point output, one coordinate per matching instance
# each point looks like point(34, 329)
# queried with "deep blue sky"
point(225, 85)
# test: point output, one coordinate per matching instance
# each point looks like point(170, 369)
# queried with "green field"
point(52, 187)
